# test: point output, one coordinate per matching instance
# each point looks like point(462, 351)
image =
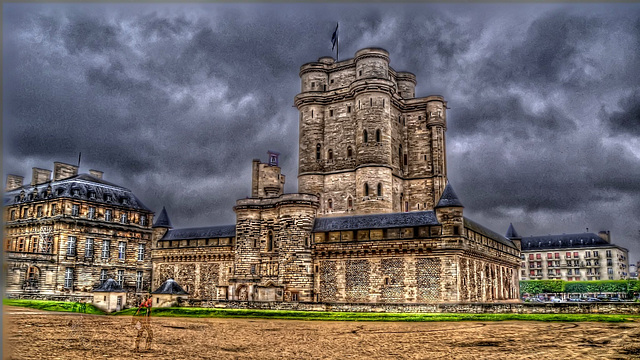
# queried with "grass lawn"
point(48, 305)
point(327, 316)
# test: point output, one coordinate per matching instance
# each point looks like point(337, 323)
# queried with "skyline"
point(173, 102)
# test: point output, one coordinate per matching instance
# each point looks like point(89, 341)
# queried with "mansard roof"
point(376, 221)
point(82, 187)
point(564, 241)
point(474, 226)
point(511, 232)
point(109, 286)
point(170, 287)
point(201, 233)
point(163, 219)
point(449, 198)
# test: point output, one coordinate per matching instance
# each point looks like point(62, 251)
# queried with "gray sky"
point(174, 102)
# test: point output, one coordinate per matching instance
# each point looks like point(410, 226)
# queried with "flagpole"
point(337, 44)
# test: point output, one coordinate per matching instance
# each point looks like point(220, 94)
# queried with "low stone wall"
point(470, 308)
point(71, 298)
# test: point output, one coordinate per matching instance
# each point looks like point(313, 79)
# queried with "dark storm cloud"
point(174, 102)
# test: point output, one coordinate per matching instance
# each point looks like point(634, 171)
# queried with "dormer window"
point(92, 195)
point(75, 192)
point(125, 201)
point(108, 198)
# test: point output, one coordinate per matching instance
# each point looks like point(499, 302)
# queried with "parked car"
point(575, 299)
point(592, 299)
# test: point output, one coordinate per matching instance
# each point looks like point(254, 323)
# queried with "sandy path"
point(34, 334)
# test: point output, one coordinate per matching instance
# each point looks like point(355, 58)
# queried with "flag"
point(334, 38)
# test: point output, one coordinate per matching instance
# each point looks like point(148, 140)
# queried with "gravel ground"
point(35, 334)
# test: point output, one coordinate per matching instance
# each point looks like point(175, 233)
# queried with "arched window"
point(318, 147)
point(365, 136)
point(379, 189)
point(349, 152)
point(330, 204)
point(366, 189)
point(378, 137)
point(270, 241)
point(330, 154)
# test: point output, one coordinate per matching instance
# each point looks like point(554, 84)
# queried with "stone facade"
point(67, 235)
point(374, 220)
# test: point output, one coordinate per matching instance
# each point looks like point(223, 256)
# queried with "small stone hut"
point(109, 296)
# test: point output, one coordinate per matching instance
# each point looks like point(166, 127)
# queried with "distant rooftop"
point(581, 240)
point(207, 232)
point(376, 221)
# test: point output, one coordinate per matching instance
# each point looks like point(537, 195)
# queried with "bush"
point(534, 287)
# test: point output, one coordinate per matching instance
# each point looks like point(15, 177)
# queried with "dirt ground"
point(35, 334)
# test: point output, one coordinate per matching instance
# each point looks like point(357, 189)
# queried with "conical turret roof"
point(511, 232)
point(170, 287)
point(449, 198)
point(109, 286)
point(163, 220)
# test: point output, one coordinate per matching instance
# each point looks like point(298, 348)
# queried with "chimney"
point(63, 171)
point(605, 235)
point(96, 173)
point(13, 182)
point(40, 176)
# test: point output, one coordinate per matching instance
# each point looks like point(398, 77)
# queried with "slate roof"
point(201, 233)
point(109, 286)
point(564, 241)
point(474, 226)
point(511, 232)
point(163, 219)
point(449, 198)
point(82, 186)
point(170, 287)
point(376, 221)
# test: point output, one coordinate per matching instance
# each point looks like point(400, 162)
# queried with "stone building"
point(68, 234)
point(572, 257)
point(374, 219)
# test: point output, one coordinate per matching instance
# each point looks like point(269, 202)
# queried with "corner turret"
point(449, 212)
point(161, 226)
point(514, 237)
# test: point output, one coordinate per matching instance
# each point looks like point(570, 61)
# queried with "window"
point(348, 109)
point(332, 81)
point(53, 209)
point(549, 255)
point(107, 215)
point(318, 147)
point(549, 263)
point(313, 84)
point(370, 101)
point(13, 212)
point(312, 113)
point(330, 112)
point(379, 189)
point(25, 212)
point(569, 272)
point(75, 192)
point(349, 152)
point(610, 271)
point(253, 269)
point(530, 256)
point(92, 213)
point(366, 189)
point(609, 262)
point(608, 253)
point(123, 218)
point(139, 279)
point(575, 255)
point(122, 247)
point(143, 220)
point(538, 256)
point(75, 209)
point(120, 277)
point(350, 202)
point(68, 278)
point(330, 204)
point(568, 255)
point(330, 154)
point(365, 136)
point(378, 136)
point(88, 248)
point(405, 160)
point(103, 276)
point(595, 254)
point(587, 254)
point(92, 195)
point(39, 211)
point(557, 255)
point(360, 73)
point(105, 249)
point(140, 252)
point(71, 246)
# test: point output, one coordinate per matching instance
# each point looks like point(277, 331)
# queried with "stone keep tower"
point(367, 145)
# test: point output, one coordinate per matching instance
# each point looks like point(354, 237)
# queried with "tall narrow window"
point(13, 214)
point(330, 112)
point(88, 248)
point(379, 189)
point(349, 152)
point(107, 215)
point(140, 252)
point(400, 155)
point(39, 211)
point(103, 276)
point(312, 113)
point(330, 154)
point(318, 148)
point(139, 281)
point(71, 246)
point(143, 220)
point(330, 204)
point(123, 218)
point(378, 136)
point(120, 277)
point(92, 212)
point(366, 189)
point(105, 249)
point(350, 203)
point(122, 247)
point(75, 209)
point(270, 241)
point(365, 136)
point(53, 209)
point(68, 278)
point(405, 159)
point(348, 109)
point(370, 101)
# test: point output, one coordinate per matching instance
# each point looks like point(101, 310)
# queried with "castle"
point(374, 220)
